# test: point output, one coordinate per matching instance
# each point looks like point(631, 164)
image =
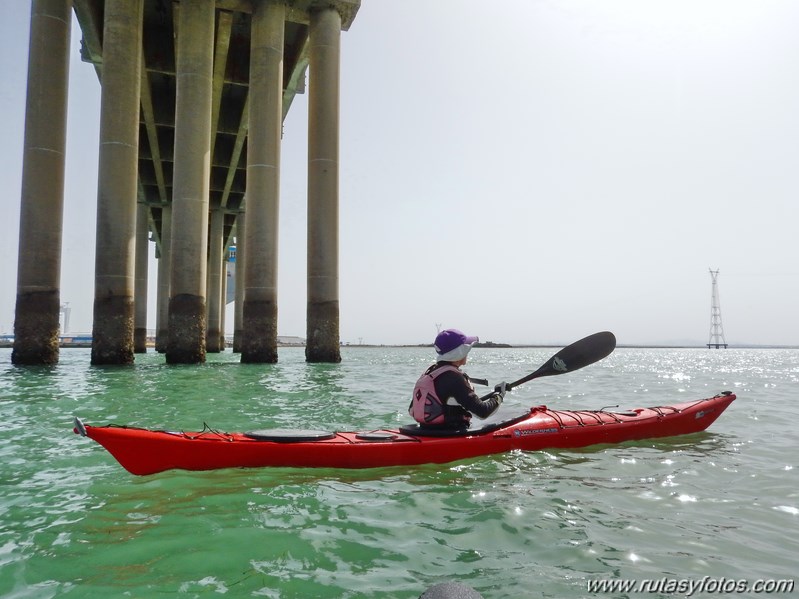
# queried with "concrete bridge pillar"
point(214, 335)
point(38, 304)
point(117, 189)
point(187, 323)
point(164, 274)
point(238, 307)
point(140, 297)
point(259, 340)
point(223, 300)
point(323, 344)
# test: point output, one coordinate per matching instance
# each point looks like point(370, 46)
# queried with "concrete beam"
point(299, 11)
point(148, 115)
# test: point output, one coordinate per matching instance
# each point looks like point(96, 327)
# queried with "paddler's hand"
point(500, 390)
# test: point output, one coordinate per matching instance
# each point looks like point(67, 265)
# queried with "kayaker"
point(443, 396)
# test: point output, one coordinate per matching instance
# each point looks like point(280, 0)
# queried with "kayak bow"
point(143, 451)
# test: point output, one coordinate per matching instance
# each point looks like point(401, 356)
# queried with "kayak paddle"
point(572, 357)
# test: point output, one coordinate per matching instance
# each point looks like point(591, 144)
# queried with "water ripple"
point(73, 523)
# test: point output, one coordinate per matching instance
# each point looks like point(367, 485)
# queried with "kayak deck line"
point(147, 451)
point(595, 417)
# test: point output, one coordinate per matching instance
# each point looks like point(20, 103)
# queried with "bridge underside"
point(228, 177)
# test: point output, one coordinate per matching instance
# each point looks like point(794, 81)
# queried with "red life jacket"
point(426, 406)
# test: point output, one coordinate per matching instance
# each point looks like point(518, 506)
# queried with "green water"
point(73, 523)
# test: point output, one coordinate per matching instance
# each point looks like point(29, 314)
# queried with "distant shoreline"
point(84, 344)
point(556, 345)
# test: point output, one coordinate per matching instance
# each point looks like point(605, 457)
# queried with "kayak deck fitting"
point(143, 451)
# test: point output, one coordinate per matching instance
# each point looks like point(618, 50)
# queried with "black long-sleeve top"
point(456, 385)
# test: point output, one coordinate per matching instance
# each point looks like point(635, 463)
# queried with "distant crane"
point(717, 339)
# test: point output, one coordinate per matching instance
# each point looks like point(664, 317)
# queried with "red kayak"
point(143, 451)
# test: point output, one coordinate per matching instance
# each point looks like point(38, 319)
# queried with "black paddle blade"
point(575, 356)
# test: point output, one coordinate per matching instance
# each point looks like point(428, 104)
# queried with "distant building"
point(230, 272)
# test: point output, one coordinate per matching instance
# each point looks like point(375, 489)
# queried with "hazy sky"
point(533, 173)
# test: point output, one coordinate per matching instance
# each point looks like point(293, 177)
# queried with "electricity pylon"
point(717, 339)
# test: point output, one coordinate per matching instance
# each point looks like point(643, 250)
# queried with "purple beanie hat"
point(452, 345)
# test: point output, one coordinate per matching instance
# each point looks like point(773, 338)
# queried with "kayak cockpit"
point(417, 430)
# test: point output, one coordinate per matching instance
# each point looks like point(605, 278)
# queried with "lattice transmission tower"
point(717, 339)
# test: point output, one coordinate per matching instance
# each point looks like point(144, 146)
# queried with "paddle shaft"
point(572, 357)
